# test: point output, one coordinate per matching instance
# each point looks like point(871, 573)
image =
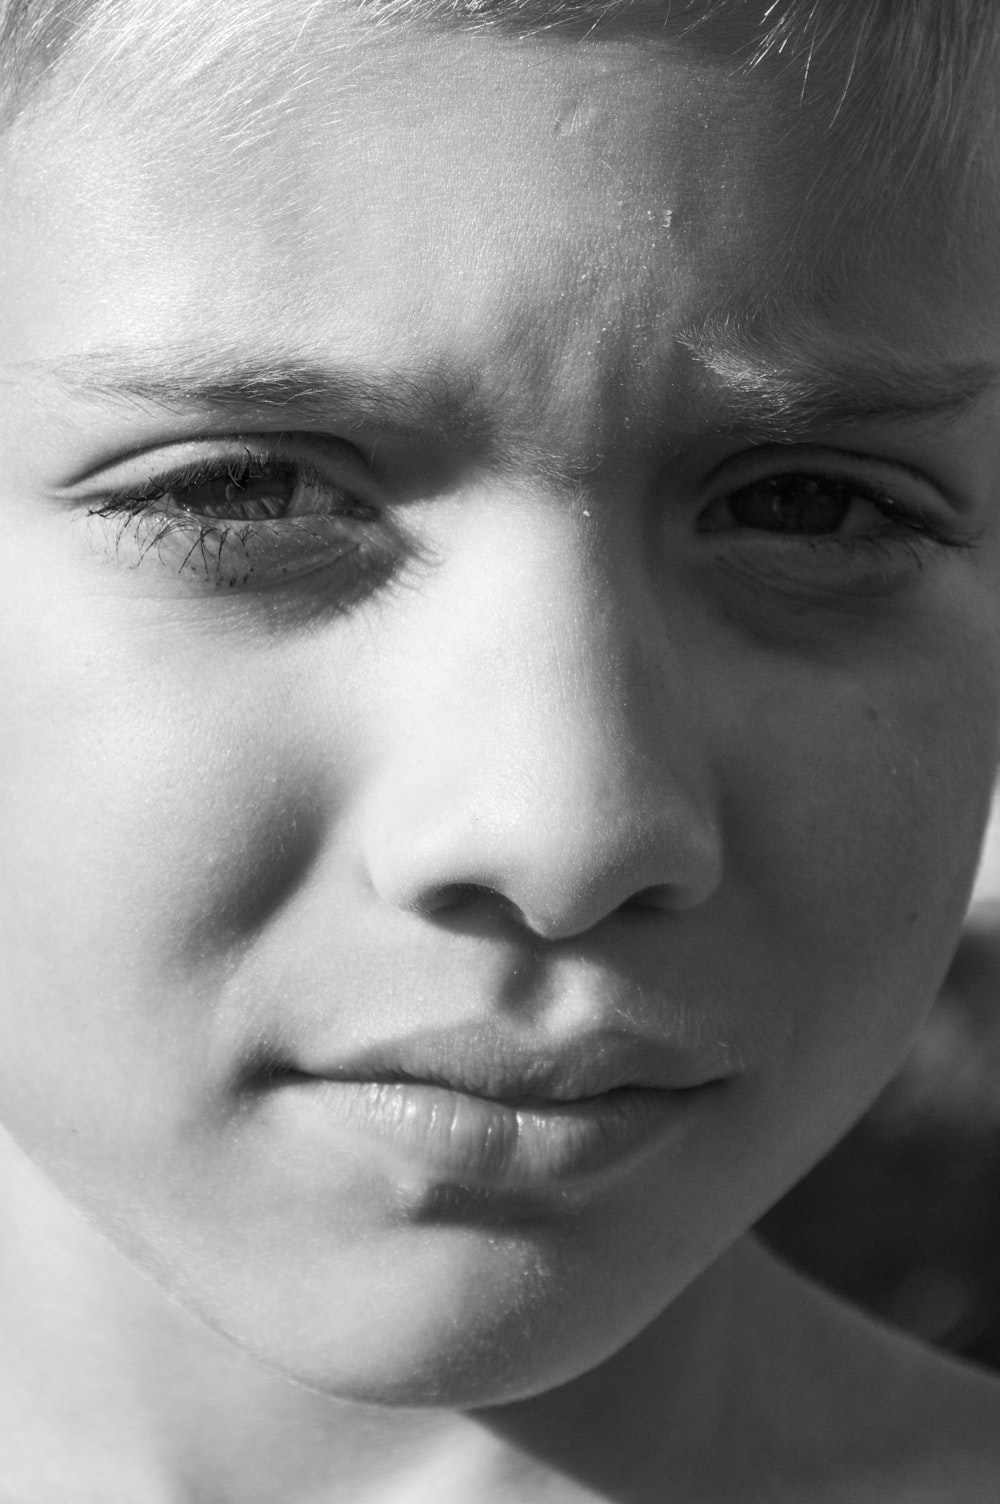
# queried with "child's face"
point(549, 751)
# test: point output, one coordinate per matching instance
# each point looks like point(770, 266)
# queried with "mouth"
point(453, 1137)
point(465, 1109)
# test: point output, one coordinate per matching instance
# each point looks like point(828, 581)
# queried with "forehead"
point(518, 212)
point(400, 138)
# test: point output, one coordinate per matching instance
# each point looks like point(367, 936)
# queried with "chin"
point(472, 1376)
point(455, 1344)
point(456, 1366)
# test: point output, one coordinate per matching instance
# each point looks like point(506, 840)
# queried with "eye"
point(806, 505)
point(252, 516)
point(829, 520)
point(246, 487)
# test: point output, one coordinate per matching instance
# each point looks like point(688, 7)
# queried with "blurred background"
point(903, 1216)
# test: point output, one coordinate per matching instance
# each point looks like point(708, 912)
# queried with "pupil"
point(794, 504)
point(242, 498)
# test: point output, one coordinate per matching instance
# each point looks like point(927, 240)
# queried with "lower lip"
point(455, 1137)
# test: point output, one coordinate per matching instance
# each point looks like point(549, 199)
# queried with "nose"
point(546, 751)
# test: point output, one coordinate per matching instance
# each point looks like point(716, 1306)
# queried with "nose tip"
point(556, 866)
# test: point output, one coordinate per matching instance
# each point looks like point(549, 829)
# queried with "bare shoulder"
point(905, 1423)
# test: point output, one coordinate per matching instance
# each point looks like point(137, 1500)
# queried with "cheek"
point(154, 818)
point(857, 854)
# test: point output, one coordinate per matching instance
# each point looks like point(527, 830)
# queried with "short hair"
point(909, 90)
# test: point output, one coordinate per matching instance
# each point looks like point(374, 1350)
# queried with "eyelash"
point(235, 549)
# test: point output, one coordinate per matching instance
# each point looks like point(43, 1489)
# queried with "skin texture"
point(560, 745)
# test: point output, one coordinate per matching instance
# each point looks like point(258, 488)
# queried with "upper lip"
point(492, 1062)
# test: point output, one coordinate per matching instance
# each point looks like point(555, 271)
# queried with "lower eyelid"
point(234, 554)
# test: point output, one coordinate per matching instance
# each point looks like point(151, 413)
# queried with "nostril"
point(459, 896)
point(467, 902)
point(658, 897)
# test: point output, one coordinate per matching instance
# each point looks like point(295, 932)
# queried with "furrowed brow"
point(740, 385)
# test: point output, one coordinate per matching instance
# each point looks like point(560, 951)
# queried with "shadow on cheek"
point(243, 882)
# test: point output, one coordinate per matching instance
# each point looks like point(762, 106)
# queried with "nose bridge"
point(572, 682)
point(553, 756)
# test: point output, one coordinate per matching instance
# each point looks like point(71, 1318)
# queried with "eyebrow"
point(767, 394)
point(408, 403)
point(788, 395)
